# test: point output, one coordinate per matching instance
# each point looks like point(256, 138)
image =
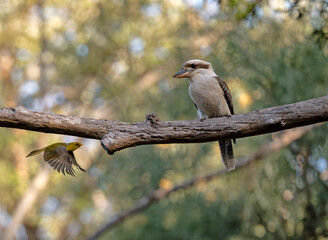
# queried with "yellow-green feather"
point(72, 146)
point(50, 147)
point(35, 152)
point(55, 145)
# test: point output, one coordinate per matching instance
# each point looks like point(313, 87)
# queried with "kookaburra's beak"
point(182, 74)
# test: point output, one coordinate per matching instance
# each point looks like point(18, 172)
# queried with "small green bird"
point(60, 156)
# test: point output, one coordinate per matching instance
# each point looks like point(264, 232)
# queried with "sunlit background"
point(115, 60)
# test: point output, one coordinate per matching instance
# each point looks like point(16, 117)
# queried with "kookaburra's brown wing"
point(227, 96)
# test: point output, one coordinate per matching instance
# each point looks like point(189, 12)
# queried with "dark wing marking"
point(227, 96)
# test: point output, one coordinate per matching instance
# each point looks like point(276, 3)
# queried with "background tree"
point(114, 60)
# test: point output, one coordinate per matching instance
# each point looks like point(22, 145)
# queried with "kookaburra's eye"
point(193, 65)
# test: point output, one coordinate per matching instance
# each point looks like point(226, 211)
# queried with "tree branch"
point(282, 141)
point(119, 135)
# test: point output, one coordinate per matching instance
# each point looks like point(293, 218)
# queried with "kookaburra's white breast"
point(207, 94)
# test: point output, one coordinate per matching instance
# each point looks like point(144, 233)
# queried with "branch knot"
point(152, 118)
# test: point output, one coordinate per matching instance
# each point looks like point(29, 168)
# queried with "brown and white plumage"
point(211, 97)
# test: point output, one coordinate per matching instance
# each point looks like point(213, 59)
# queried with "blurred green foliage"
point(114, 59)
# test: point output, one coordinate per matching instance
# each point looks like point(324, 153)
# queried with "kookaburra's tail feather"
point(227, 154)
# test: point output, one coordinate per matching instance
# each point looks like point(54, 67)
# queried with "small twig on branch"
point(115, 135)
point(283, 140)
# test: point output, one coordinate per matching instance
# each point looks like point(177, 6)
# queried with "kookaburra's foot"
point(202, 116)
point(229, 116)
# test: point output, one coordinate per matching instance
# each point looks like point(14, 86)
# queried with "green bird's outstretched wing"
point(61, 160)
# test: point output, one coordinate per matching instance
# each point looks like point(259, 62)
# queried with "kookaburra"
point(211, 97)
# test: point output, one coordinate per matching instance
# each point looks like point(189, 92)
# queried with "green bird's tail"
point(35, 152)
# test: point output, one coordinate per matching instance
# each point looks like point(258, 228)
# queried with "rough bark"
point(116, 135)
